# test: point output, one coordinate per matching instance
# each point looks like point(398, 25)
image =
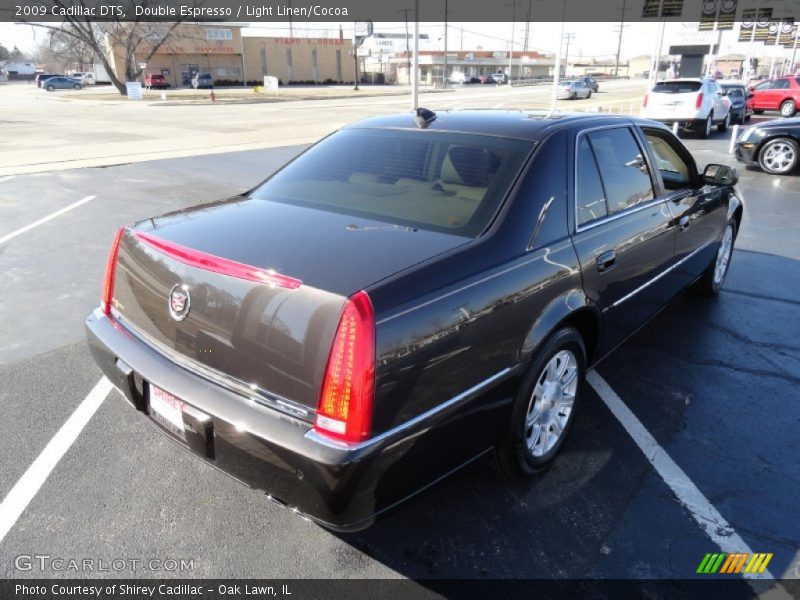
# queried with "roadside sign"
point(142, 65)
point(134, 90)
point(270, 83)
point(363, 29)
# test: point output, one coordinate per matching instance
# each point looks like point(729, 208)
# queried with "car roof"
point(522, 125)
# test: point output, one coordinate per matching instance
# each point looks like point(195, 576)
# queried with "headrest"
point(465, 165)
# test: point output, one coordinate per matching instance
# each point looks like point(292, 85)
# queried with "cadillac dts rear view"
point(410, 294)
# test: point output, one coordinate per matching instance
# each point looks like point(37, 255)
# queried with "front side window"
point(453, 183)
point(675, 172)
point(623, 168)
point(764, 85)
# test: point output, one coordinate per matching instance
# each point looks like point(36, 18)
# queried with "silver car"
point(570, 90)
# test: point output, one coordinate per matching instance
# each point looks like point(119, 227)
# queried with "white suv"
point(692, 103)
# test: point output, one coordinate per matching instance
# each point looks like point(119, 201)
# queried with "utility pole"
point(415, 79)
point(568, 37)
point(405, 12)
point(445, 45)
point(513, 5)
point(527, 26)
point(619, 42)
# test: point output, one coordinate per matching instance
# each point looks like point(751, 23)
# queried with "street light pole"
point(619, 42)
point(444, 74)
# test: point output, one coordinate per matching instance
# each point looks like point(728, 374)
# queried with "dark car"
point(409, 294)
point(202, 80)
point(42, 77)
point(782, 95)
point(590, 82)
point(772, 145)
point(738, 95)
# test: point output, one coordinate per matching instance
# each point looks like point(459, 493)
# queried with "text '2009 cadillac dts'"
point(407, 295)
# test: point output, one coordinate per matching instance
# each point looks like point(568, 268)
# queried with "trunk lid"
point(272, 339)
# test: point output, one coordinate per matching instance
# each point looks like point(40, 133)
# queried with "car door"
point(761, 95)
point(622, 232)
point(697, 209)
point(779, 91)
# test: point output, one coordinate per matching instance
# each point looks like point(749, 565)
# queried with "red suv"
point(781, 94)
point(155, 80)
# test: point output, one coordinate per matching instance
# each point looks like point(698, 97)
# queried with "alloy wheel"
point(779, 157)
point(551, 403)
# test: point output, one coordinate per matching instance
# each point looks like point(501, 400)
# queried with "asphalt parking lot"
point(715, 382)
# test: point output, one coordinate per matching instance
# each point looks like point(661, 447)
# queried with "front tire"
point(545, 407)
point(758, 111)
point(51, 88)
point(779, 156)
point(713, 278)
point(788, 108)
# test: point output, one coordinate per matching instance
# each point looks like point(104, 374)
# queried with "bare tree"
point(61, 52)
point(137, 39)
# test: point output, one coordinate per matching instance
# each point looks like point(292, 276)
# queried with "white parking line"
point(43, 220)
point(709, 519)
point(28, 485)
point(7, 178)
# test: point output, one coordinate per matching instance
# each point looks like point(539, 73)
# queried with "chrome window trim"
point(628, 211)
point(663, 273)
point(406, 425)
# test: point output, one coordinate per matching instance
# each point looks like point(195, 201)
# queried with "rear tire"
point(788, 108)
point(713, 278)
point(704, 127)
point(589, 95)
point(545, 407)
point(723, 127)
point(77, 86)
point(51, 88)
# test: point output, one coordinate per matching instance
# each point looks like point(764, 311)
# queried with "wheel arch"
point(572, 309)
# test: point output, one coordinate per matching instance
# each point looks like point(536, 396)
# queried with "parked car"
point(409, 294)
point(772, 145)
point(61, 83)
point(694, 104)
point(42, 77)
point(572, 90)
point(457, 77)
point(738, 94)
point(500, 78)
point(202, 80)
point(486, 79)
point(782, 94)
point(156, 80)
point(591, 83)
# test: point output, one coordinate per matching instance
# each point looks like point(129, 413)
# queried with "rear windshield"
point(677, 87)
point(448, 182)
point(734, 91)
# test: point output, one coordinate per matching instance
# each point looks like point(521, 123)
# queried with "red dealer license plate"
point(167, 410)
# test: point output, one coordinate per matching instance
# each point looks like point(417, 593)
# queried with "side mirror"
point(715, 174)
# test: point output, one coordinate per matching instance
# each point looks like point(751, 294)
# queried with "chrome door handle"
point(606, 261)
point(683, 223)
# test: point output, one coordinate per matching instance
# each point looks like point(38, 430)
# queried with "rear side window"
point(677, 87)
point(781, 84)
point(591, 200)
point(623, 168)
point(449, 182)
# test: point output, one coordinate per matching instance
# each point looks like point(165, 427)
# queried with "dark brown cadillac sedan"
point(409, 294)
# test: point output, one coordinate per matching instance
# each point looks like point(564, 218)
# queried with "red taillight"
point(345, 401)
point(644, 101)
point(699, 101)
point(111, 269)
point(223, 266)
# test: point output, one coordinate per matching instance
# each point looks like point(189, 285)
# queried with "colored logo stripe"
point(721, 562)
